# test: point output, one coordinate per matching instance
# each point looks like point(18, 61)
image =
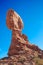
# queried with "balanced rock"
point(21, 52)
point(15, 23)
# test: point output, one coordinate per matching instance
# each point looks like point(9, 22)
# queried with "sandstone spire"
point(15, 23)
point(21, 52)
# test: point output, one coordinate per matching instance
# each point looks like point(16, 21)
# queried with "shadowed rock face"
point(15, 23)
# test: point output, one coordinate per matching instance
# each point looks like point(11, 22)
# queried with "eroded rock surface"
point(15, 23)
point(20, 52)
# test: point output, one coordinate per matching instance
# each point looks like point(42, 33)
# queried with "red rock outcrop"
point(19, 41)
point(15, 23)
point(21, 52)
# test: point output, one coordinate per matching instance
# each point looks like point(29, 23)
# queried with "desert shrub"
point(38, 61)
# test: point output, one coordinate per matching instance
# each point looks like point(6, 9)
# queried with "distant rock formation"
point(21, 52)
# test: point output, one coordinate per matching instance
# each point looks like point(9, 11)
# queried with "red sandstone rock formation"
point(15, 23)
point(21, 52)
point(19, 42)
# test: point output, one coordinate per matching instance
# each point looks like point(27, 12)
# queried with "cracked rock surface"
point(20, 52)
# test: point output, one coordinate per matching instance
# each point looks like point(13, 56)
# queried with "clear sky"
point(31, 12)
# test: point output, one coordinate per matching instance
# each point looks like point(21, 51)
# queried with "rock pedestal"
point(21, 52)
point(19, 40)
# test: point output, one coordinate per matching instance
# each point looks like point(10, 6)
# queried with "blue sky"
point(31, 12)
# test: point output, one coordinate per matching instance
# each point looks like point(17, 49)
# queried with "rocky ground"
point(25, 56)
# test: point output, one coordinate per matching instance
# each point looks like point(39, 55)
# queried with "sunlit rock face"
point(20, 52)
point(15, 23)
point(19, 41)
